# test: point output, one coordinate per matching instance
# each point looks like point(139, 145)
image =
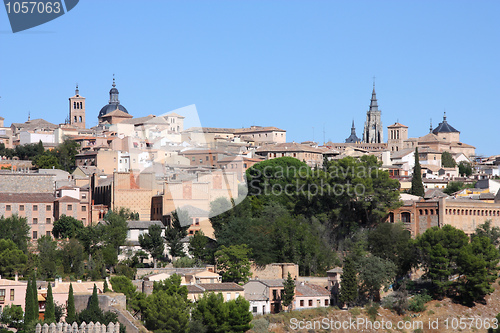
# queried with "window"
point(84, 195)
point(84, 208)
point(206, 157)
point(35, 235)
point(2, 294)
point(275, 294)
point(301, 302)
point(197, 222)
point(405, 217)
point(12, 294)
point(48, 208)
point(35, 220)
point(326, 302)
point(47, 220)
point(35, 208)
point(48, 233)
point(228, 296)
point(21, 208)
point(310, 302)
point(254, 309)
point(70, 207)
point(8, 208)
point(84, 220)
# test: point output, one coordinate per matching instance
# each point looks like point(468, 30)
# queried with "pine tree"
point(289, 291)
point(50, 310)
point(36, 312)
point(348, 283)
point(417, 188)
point(28, 304)
point(70, 310)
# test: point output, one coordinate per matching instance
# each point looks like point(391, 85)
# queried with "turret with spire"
point(353, 138)
point(373, 131)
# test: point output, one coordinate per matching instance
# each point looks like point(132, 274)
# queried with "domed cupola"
point(114, 102)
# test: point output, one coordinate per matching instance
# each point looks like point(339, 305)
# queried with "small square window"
point(48, 233)
point(84, 208)
point(21, 208)
point(310, 302)
point(12, 294)
point(48, 208)
point(35, 208)
point(197, 221)
point(84, 195)
point(2, 295)
point(8, 208)
point(70, 207)
point(301, 302)
point(47, 220)
point(35, 220)
point(35, 235)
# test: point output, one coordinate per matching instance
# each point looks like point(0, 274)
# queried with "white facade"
point(28, 137)
point(260, 307)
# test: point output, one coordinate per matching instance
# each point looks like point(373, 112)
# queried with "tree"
point(239, 315)
point(447, 160)
point(166, 313)
point(439, 248)
point(72, 257)
point(36, 306)
point(94, 301)
point(177, 231)
point(348, 283)
point(485, 230)
point(12, 315)
point(374, 273)
point(453, 187)
point(70, 309)
point(66, 153)
point(233, 263)
point(48, 254)
point(105, 287)
point(464, 169)
point(477, 262)
point(16, 229)
point(122, 284)
point(288, 291)
point(50, 311)
point(417, 187)
point(93, 312)
point(152, 242)
point(12, 259)
point(67, 227)
point(197, 245)
point(46, 161)
point(115, 228)
point(28, 304)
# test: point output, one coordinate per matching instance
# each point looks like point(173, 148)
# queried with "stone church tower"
point(373, 132)
point(77, 110)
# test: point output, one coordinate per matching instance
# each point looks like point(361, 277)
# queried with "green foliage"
point(197, 245)
point(94, 301)
point(48, 254)
point(440, 248)
point(417, 302)
point(16, 229)
point(125, 270)
point(122, 284)
point(392, 241)
point(70, 308)
point(152, 242)
point(447, 160)
point(374, 273)
point(348, 283)
point(453, 187)
point(34, 299)
point(28, 304)
point(495, 330)
point(184, 262)
point(176, 231)
point(477, 262)
point(485, 230)
point(105, 287)
point(219, 316)
point(465, 169)
point(58, 311)
point(417, 187)
point(12, 259)
point(50, 310)
point(46, 161)
point(66, 153)
point(72, 257)
point(115, 228)
point(288, 291)
point(166, 313)
point(12, 315)
point(372, 311)
point(67, 227)
point(172, 286)
point(233, 263)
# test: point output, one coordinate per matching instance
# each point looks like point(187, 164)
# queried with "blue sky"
point(296, 65)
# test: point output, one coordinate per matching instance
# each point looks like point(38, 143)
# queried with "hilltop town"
point(244, 213)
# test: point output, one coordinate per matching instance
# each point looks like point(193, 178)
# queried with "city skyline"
point(300, 66)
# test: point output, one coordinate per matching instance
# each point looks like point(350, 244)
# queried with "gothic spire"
point(373, 102)
point(353, 129)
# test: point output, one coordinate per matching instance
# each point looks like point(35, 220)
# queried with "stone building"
point(373, 131)
point(77, 110)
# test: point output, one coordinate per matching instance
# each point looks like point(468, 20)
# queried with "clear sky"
point(301, 65)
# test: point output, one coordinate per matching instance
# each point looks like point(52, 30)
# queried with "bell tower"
point(77, 110)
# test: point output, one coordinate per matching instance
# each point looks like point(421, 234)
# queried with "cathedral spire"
point(373, 102)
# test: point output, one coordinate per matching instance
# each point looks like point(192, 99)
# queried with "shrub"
point(260, 325)
point(372, 311)
point(417, 303)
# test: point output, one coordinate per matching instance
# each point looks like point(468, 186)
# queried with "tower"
point(397, 134)
point(77, 110)
point(373, 132)
point(353, 137)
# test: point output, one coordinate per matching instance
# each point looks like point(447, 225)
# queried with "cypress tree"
point(348, 283)
point(94, 302)
point(417, 188)
point(106, 287)
point(28, 304)
point(35, 298)
point(50, 310)
point(70, 310)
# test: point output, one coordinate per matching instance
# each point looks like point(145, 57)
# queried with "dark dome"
point(113, 91)
point(110, 108)
point(444, 127)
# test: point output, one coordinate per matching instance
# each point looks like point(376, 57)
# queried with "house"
point(309, 296)
point(229, 290)
point(12, 292)
point(265, 294)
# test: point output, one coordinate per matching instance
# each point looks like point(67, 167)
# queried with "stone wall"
point(26, 183)
point(274, 271)
point(74, 328)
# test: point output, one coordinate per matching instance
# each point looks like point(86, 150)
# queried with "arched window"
point(426, 212)
point(420, 212)
point(74, 105)
point(391, 218)
point(75, 119)
point(432, 211)
point(80, 118)
point(81, 105)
